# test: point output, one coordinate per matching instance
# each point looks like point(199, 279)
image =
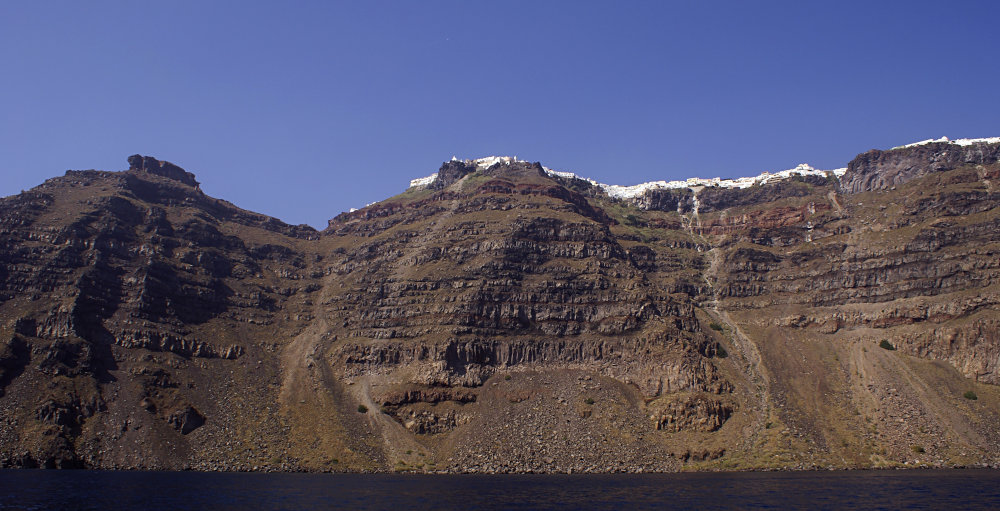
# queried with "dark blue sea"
point(173, 491)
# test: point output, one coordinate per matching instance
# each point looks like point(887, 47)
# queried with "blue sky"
point(302, 110)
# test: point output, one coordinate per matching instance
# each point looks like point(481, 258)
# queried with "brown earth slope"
point(506, 319)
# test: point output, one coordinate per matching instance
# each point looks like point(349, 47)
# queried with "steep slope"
point(907, 258)
point(500, 316)
point(135, 313)
point(506, 273)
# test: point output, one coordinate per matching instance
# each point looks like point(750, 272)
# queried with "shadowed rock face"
point(879, 170)
point(450, 172)
point(501, 319)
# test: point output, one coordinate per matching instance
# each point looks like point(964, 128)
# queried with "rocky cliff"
point(502, 317)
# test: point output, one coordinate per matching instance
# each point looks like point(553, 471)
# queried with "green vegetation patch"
point(634, 221)
point(886, 345)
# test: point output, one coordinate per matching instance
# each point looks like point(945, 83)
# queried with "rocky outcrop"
point(516, 170)
point(450, 172)
point(880, 170)
point(115, 288)
point(14, 356)
point(654, 367)
point(428, 410)
point(680, 200)
point(698, 413)
point(708, 199)
point(161, 341)
point(186, 420)
point(712, 198)
point(166, 169)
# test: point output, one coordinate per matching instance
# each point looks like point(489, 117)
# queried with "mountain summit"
point(500, 316)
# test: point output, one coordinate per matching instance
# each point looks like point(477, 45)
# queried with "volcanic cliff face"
point(507, 318)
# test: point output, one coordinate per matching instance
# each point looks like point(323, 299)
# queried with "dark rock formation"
point(450, 172)
point(515, 170)
point(186, 420)
point(712, 199)
point(693, 413)
point(879, 170)
point(675, 199)
point(161, 168)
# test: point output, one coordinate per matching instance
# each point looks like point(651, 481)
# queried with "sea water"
point(101, 490)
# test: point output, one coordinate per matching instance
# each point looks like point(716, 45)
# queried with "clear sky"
point(302, 110)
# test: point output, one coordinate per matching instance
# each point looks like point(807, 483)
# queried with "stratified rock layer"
point(502, 319)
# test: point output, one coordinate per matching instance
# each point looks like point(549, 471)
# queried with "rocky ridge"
point(502, 317)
